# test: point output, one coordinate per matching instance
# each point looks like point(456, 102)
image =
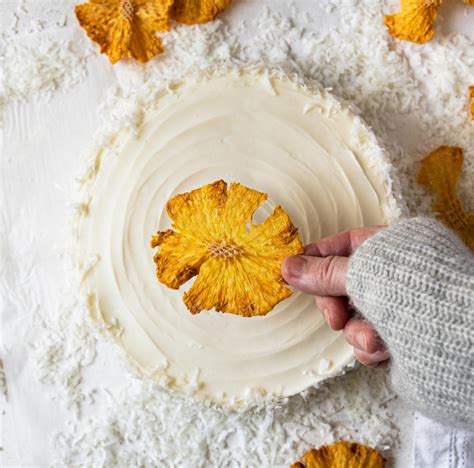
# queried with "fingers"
point(362, 335)
point(322, 271)
point(314, 275)
point(378, 359)
point(335, 310)
point(325, 276)
point(368, 347)
point(342, 244)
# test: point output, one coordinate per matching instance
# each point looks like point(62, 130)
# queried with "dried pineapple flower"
point(471, 104)
point(237, 262)
point(197, 11)
point(125, 28)
point(440, 172)
point(341, 455)
point(415, 21)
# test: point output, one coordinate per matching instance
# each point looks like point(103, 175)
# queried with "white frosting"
point(311, 155)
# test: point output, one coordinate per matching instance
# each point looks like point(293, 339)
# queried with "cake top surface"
point(312, 156)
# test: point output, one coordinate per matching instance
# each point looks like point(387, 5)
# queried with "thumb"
point(320, 276)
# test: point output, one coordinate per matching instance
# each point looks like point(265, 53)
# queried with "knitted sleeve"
point(414, 281)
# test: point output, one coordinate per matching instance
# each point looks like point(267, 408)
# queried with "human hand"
point(321, 271)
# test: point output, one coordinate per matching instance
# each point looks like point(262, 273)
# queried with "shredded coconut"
point(35, 60)
point(144, 424)
point(40, 68)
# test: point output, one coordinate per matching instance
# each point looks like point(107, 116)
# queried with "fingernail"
point(361, 341)
point(326, 315)
point(295, 265)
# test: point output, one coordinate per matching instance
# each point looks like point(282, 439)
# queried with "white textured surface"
point(441, 446)
point(414, 97)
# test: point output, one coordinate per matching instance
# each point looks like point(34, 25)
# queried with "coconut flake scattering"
point(40, 68)
point(38, 57)
point(149, 426)
point(143, 423)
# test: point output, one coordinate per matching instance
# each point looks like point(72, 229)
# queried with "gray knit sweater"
point(414, 282)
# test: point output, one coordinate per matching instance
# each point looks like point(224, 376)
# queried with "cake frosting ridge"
point(304, 148)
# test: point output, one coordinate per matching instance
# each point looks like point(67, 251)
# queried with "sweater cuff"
point(414, 282)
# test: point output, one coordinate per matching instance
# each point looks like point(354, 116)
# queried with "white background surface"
point(42, 141)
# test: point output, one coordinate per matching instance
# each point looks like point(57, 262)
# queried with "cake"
point(276, 134)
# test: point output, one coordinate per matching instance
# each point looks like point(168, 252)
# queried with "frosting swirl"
point(307, 151)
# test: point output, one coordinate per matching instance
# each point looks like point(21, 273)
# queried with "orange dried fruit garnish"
point(342, 455)
point(440, 172)
point(125, 28)
point(237, 262)
point(415, 20)
point(197, 11)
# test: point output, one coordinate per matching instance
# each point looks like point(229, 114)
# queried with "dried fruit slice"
point(197, 11)
point(237, 262)
point(415, 20)
point(125, 28)
point(440, 172)
point(342, 455)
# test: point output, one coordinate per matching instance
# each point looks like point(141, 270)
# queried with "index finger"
point(342, 244)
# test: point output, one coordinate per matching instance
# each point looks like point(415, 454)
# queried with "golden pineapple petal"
point(237, 262)
point(155, 13)
point(197, 11)
point(343, 455)
point(415, 20)
point(125, 28)
point(179, 257)
point(440, 172)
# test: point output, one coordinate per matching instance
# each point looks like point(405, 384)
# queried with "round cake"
point(296, 143)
